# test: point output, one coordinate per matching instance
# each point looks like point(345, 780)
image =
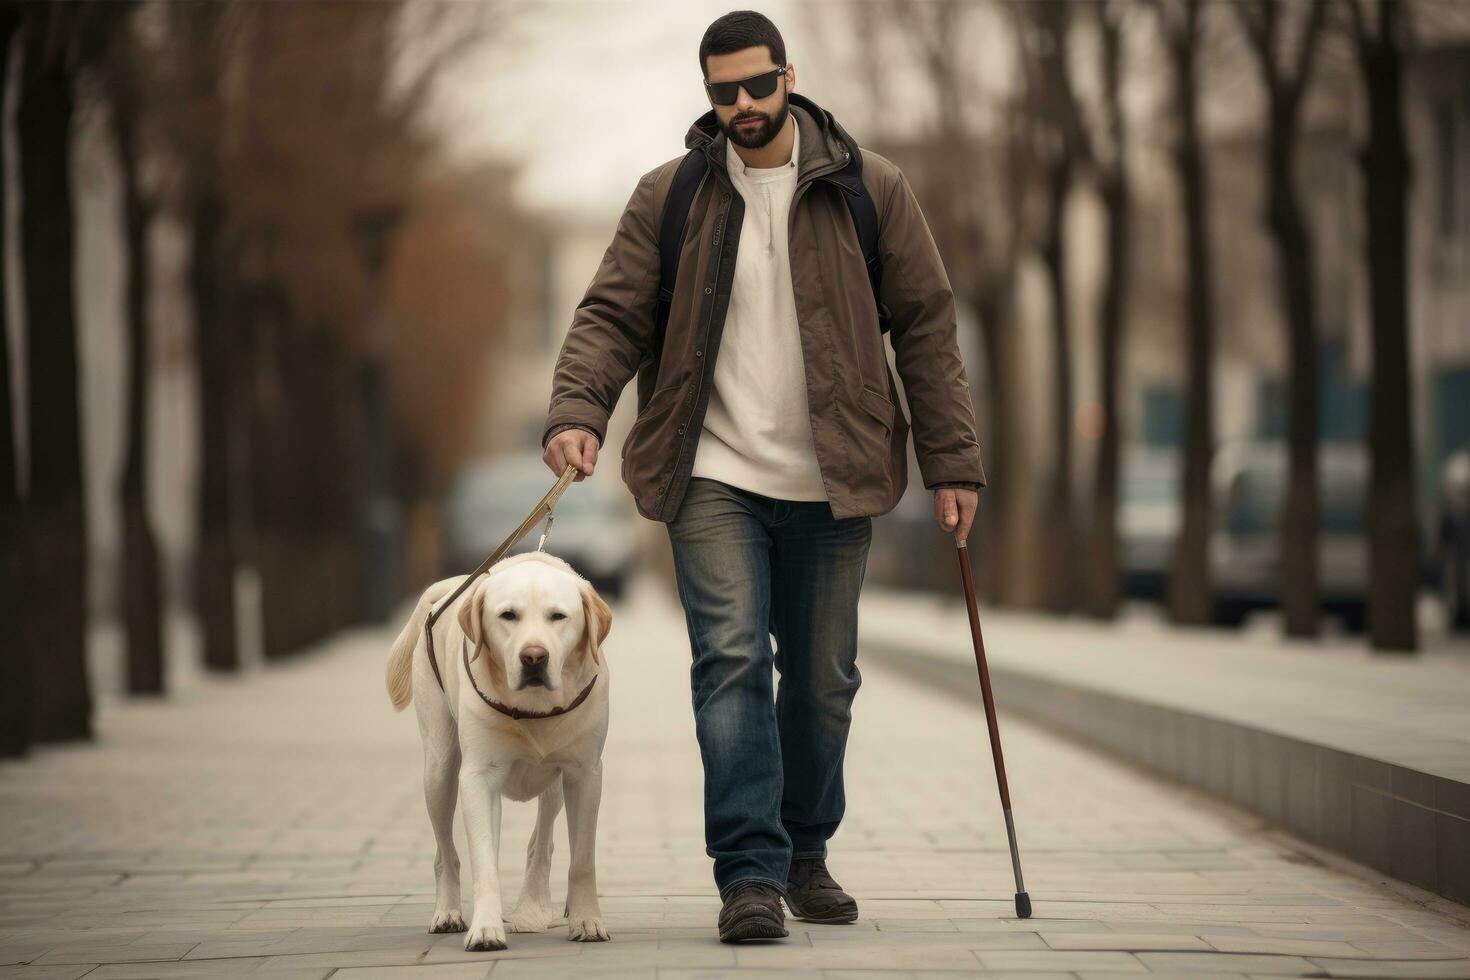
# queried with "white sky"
point(601, 92)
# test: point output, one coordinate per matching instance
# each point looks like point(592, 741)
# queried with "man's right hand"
point(573, 446)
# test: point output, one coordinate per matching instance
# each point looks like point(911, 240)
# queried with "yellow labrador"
point(522, 713)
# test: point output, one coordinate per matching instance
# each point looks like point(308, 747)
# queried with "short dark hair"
point(738, 30)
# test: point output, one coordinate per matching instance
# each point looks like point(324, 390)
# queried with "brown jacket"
point(859, 431)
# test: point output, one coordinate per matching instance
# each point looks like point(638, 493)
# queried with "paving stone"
point(1192, 975)
point(741, 974)
point(448, 971)
point(1427, 949)
point(1281, 945)
point(73, 952)
point(181, 970)
point(1060, 960)
point(1147, 927)
point(1225, 962)
point(988, 974)
point(877, 956)
point(1456, 969)
point(1123, 940)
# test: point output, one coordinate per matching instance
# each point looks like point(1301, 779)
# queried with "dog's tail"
point(400, 661)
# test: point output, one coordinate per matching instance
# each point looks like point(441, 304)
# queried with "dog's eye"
point(558, 615)
point(509, 614)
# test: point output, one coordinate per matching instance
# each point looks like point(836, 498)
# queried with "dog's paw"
point(587, 929)
point(451, 921)
point(529, 916)
point(481, 939)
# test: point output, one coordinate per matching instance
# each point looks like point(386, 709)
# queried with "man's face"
point(766, 116)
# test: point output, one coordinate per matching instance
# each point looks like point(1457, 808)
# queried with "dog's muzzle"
point(533, 667)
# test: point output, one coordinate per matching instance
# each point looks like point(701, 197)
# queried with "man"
point(767, 438)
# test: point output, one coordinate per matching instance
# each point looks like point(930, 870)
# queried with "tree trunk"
point(993, 307)
point(1190, 586)
point(216, 558)
point(1061, 590)
point(62, 702)
point(1298, 526)
point(141, 592)
point(1393, 537)
point(1297, 281)
point(16, 652)
point(1105, 587)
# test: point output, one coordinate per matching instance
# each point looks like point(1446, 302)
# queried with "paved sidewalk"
point(1402, 710)
point(274, 825)
point(1365, 754)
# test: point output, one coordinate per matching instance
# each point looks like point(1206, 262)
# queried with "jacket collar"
point(824, 142)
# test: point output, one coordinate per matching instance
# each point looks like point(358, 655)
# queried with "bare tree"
point(196, 39)
point(1286, 84)
point(17, 653)
point(1107, 158)
point(292, 127)
point(51, 33)
point(118, 82)
point(974, 181)
point(328, 157)
point(1381, 33)
point(1190, 588)
point(1044, 32)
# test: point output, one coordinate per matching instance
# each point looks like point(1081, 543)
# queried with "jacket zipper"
point(723, 228)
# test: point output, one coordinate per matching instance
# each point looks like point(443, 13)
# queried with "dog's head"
point(538, 624)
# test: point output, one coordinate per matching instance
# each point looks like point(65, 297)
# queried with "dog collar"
point(517, 713)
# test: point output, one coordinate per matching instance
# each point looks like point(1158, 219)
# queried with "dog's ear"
point(599, 621)
point(471, 618)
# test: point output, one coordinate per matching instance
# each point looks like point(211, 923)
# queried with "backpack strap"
point(671, 229)
point(865, 219)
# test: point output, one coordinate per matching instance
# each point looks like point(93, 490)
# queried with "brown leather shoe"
point(812, 895)
point(752, 911)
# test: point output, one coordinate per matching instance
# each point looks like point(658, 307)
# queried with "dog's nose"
point(534, 657)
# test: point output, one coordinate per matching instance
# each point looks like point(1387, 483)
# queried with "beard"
point(755, 137)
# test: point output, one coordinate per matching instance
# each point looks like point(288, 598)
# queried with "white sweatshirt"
point(757, 427)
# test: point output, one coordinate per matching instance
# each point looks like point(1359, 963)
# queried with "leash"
point(543, 507)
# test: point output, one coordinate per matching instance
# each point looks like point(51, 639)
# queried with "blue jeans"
point(748, 566)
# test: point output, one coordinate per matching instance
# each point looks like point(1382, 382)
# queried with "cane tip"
point(1023, 905)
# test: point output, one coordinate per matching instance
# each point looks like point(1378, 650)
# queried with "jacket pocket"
point(657, 407)
point(870, 451)
point(878, 405)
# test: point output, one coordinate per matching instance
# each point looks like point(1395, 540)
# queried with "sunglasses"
point(758, 86)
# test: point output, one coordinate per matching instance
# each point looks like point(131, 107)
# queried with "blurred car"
point(1148, 520)
point(1454, 538)
point(591, 529)
point(1250, 481)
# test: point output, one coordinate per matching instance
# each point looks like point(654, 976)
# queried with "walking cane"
point(1023, 901)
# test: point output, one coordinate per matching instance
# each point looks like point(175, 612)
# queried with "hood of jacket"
point(823, 140)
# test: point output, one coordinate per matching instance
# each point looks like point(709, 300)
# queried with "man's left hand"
point(954, 510)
